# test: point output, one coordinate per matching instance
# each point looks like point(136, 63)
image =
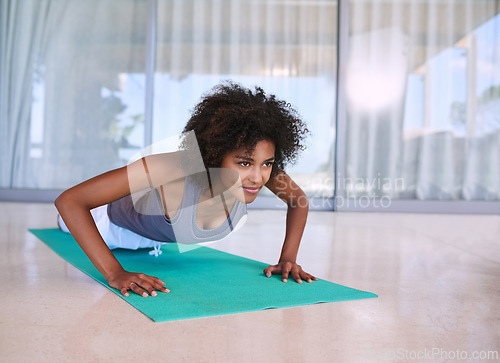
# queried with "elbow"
point(59, 202)
point(62, 201)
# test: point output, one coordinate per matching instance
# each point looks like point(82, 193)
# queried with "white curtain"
point(423, 90)
point(24, 27)
point(72, 77)
point(69, 90)
point(286, 47)
point(423, 87)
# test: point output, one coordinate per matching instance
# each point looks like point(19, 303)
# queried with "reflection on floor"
point(437, 277)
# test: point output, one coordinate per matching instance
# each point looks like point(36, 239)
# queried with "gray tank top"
point(156, 226)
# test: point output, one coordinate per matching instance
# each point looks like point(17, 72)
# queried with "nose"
point(255, 175)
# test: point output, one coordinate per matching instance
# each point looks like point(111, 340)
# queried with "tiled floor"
point(437, 277)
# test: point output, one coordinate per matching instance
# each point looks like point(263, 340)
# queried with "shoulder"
point(156, 170)
point(283, 186)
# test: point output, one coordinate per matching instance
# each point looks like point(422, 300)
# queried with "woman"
point(244, 139)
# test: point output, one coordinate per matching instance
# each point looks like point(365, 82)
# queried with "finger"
point(286, 270)
point(124, 291)
point(148, 287)
point(309, 278)
point(151, 284)
point(161, 287)
point(296, 276)
point(138, 290)
point(268, 271)
point(154, 279)
point(158, 284)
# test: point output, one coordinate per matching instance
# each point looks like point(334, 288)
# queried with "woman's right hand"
point(138, 283)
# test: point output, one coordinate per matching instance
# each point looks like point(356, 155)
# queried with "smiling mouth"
point(251, 190)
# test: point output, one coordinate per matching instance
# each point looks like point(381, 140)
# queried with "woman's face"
point(254, 169)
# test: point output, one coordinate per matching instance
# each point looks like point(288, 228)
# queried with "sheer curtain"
point(423, 92)
point(73, 82)
point(24, 27)
point(71, 89)
point(286, 47)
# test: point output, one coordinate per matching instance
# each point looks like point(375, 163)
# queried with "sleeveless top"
point(153, 223)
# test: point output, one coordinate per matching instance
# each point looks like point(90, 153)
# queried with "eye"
point(269, 164)
point(244, 163)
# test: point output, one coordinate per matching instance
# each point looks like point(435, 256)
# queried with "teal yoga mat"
point(203, 281)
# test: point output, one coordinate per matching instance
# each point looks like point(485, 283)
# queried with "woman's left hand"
point(288, 267)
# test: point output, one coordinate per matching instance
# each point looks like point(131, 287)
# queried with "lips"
point(251, 190)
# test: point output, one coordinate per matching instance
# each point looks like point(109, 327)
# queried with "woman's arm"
point(298, 206)
point(74, 206)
